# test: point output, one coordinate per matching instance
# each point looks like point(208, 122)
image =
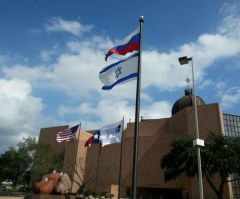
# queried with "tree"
point(45, 162)
point(10, 169)
point(16, 162)
point(220, 156)
point(26, 151)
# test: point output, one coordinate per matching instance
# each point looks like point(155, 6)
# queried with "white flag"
point(119, 72)
point(111, 133)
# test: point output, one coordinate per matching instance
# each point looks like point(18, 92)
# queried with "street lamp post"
point(197, 142)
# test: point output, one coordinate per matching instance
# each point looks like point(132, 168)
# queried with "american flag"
point(67, 135)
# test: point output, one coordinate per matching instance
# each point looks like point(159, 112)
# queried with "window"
point(232, 128)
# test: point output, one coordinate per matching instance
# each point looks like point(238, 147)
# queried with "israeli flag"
point(119, 72)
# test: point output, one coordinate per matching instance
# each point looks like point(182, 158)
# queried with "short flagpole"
point(76, 152)
point(120, 162)
point(137, 110)
point(99, 153)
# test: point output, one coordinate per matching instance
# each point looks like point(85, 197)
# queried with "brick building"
point(155, 137)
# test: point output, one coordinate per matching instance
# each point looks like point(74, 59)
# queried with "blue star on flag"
point(118, 72)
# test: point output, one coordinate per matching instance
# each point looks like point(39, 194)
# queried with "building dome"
point(186, 101)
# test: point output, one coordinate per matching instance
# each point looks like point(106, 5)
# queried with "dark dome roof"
point(186, 101)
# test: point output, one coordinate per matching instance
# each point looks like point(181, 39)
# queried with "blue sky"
point(52, 51)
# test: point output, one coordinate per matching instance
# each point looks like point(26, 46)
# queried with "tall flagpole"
point(99, 153)
point(75, 162)
point(120, 162)
point(137, 110)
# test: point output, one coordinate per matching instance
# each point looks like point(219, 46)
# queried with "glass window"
point(232, 128)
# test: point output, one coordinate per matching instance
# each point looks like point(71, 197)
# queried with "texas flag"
point(95, 139)
point(109, 134)
point(128, 44)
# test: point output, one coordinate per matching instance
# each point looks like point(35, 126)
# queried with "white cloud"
point(106, 110)
point(217, 85)
point(76, 71)
point(230, 97)
point(71, 73)
point(58, 24)
point(109, 111)
point(158, 109)
point(20, 111)
point(50, 54)
point(45, 55)
point(25, 72)
point(94, 42)
point(162, 70)
point(231, 21)
point(4, 59)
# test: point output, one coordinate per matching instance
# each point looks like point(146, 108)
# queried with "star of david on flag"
point(118, 72)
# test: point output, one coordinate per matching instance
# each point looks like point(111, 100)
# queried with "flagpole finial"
point(141, 19)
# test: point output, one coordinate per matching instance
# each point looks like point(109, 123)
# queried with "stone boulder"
point(44, 187)
point(55, 177)
point(53, 182)
point(64, 184)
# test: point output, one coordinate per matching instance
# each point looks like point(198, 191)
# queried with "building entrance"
point(157, 193)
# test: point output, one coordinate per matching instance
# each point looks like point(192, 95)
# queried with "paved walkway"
point(11, 195)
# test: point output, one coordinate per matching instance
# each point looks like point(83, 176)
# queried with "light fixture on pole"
point(197, 142)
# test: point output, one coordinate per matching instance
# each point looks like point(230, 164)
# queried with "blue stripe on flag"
point(133, 75)
point(135, 38)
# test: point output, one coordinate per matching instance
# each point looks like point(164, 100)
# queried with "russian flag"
point(128, 44)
